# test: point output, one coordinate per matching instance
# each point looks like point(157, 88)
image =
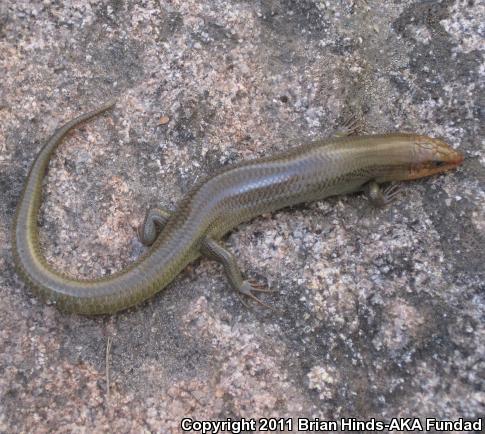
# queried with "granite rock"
point(378, 314)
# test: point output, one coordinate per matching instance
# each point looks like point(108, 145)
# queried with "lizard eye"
point(437, 163)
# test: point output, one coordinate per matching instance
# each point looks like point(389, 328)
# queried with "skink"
point(213, 207)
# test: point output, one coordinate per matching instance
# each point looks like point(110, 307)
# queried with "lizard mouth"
point(452, 159)
point(448, 160)
point(457, 160)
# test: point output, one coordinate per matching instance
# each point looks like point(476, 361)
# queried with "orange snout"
point(433, 156)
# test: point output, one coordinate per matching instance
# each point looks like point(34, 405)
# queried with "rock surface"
point(379, 314)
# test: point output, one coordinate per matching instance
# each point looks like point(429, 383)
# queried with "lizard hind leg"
point(214, 250)
point(155, 219)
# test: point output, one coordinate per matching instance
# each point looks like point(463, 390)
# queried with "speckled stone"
point(378, 313)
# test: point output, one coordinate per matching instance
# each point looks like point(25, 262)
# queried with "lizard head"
point(432, 156)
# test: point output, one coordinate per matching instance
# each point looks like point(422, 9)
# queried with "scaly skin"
point(218, 204)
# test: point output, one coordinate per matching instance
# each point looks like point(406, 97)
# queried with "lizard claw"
point(259, 287)
point(350, 126)
point(248, 288)
point(390, 193)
